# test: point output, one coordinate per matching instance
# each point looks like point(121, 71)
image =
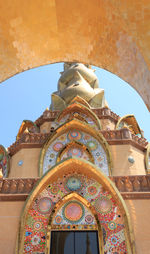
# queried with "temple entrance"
point(74, 242)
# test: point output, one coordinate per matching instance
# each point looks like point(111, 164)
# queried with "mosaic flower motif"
point(73, 183)
point(103, 205)
point(89, 219)
point(57, 146)
point(35, 240)
point(44, 205)
point(73, 212)
point(92, 145)
point(74, 135)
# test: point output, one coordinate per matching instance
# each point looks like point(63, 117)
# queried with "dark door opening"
point(74, 242)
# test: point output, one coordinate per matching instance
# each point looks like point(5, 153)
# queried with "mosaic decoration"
point(73, 183)
point(44, 205)
point(20, 163)
point(77, 114)
point(75, 150)
point(95, 148)
point(4, 161)
point(73, 215)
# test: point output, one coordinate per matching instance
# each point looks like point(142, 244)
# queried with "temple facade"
point(77, 179)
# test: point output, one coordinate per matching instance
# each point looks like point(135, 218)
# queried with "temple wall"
point(29, 168)
point(121, 165)
point(9, 220)
point(45, 127)
point(107, 124)
point(139, 215)
point(10, 213)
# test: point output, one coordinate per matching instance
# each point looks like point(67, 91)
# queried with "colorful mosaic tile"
point(73, 215)
point(95, 148)
point(86, 118)
point(73, 212)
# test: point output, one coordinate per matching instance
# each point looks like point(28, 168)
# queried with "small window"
point(74, 242)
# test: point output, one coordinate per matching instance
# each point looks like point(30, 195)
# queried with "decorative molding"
point(130, 187)
point(106, 113)
point(102, 113)
point(113, 137)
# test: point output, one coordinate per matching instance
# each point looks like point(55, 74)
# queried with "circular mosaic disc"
point(103, 205)
point(73, 212)
point(44, 205)
point(89, 219)
point(75, 151)
point(37, 225)
point(92, 145)
point(73, 183)
point(58, 219)
point(92, 190)
point(57, 146)
point(112, 225)
point(74, 135)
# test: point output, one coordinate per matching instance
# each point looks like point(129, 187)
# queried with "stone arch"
point(75, 197)
point(130, 122)
point(51, 182)
point(83, 111)
point(95, 143)
point(108, 37)
point(29, 125)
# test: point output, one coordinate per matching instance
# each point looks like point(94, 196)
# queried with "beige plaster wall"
point(140, 221)
point(9, 220)
point(45, 127)
point(107, 124)
point(121, 165)
point(29, 168)
point(10, 213)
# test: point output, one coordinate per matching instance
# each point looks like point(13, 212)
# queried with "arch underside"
point(110, 35)
point(97, 206)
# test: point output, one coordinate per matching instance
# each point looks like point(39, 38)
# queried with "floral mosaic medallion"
point(103, 205)
point(57, 146)
point(75, 151)
point(73, 212)
point(74, 215)
point(74, 135)
point(44, 205)
point(73, 183)
point(96, 151)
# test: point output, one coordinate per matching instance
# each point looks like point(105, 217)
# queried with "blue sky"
point(26, 95)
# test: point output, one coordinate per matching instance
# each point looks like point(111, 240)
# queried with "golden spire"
point(80, 80)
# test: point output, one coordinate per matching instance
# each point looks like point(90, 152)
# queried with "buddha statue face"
point(77, 80)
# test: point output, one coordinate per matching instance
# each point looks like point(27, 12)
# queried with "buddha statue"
point(80, 80)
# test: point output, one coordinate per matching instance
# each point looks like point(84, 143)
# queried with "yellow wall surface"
point(9, 224)
point(29, 168)
point(121, 165)
point(140, 220)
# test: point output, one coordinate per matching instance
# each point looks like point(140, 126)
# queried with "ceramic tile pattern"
point(107, 210)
